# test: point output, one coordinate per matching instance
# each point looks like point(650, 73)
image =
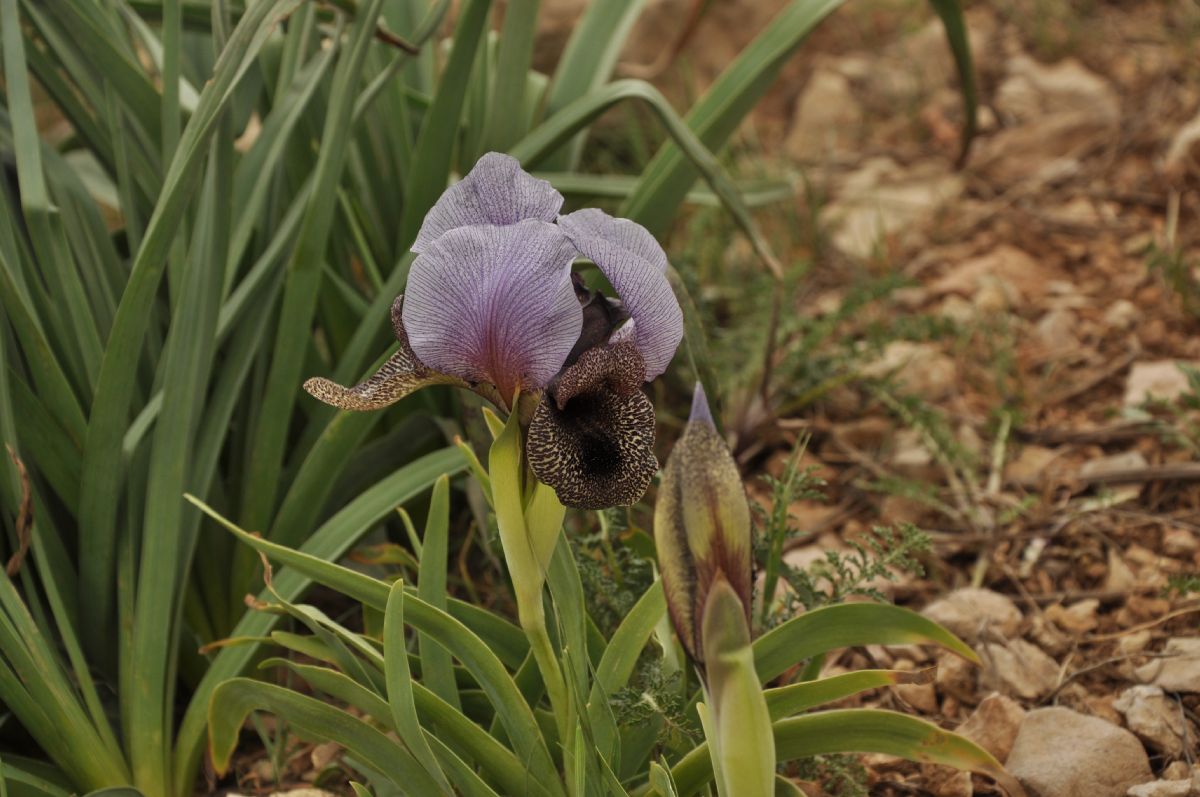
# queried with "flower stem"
point(527, 559)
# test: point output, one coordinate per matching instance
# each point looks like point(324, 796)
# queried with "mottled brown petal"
point(399, 376)
point(593, 442)
point(616, 369)
point(398, 322)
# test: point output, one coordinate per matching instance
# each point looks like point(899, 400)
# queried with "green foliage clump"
point(840, 775)
point(1183, 584)
point(881, 553)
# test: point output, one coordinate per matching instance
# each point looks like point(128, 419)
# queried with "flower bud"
point(701, 527)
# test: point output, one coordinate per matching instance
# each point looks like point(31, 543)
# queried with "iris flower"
point(492, 305)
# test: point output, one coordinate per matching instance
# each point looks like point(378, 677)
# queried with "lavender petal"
point(636, 266)
point(496, 191)
point(495, 304)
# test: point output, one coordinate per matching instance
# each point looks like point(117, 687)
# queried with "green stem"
point(528, 571)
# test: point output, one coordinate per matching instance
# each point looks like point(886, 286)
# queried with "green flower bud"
point(701, 527)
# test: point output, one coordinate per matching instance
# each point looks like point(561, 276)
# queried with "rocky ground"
point(1065, 508)
point(1065, 256)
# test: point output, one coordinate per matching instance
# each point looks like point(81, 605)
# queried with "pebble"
point(1177, 673)
point(994, 725)
point(1062, 753)
point(1180, 543)
point(970, 612)
point(1154, 717)
point(1161, 380)
point(1021, 668)
point(1162, 788)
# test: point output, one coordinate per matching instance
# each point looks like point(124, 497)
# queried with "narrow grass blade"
point(476, 656)
point(454, 728)
point(618, 662)
point(167, 552)
point(951, 15)
point(714, 118)
point(859, 731)
point(754, 193)
point(399, 689)
point(435, 144)
point(578, 114)
point(436, 669)
point(505, 123)
point(846, 625)
point(330, 541)
point(304, 280)
point(587, 62)
point(787, 700)
point(233, 701)
point(25, 776)
point(45, 224)
point(102, 473)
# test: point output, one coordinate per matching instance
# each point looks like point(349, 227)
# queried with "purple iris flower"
point(492, 305)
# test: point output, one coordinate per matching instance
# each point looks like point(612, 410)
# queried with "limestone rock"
point(1183, 154)
point(1054, 114)
point(1161, 380)
point(881, 199)
point(1021, 668)
point(1031, 466)
point(1163, 788)
point(1180, 542)
point(1175, 673)
point(1153, 717)
point(956, 676)
point(920, 368)
point(1078, 618)
point(827, 117)
point(994, 725)
point(1061, 753)
point(1032, 90)
point(1005, 265)
point(1126, 460)
point(969, 612)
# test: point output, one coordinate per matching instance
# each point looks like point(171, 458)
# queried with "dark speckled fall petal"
point(400, 375)
point(592, 437)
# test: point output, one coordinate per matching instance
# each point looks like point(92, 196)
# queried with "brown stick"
point(1184, 471)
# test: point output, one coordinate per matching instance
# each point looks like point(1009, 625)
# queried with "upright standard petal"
point(495, 304)
point(636, 266)
point(496, 191)
point(592, 436)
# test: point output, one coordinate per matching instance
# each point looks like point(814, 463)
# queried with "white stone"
point(1161, 380)
point(1183, 154)
point(1061, 753)
point(882, 199)
point(1162, 788)
point(827, 117)
point(1179, 670)
point(1180, 542)
point(994, 725)
point(1033, 89)
point(1153, 717)
point(920, 368)
point(1021, 668)
point(970, 613)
